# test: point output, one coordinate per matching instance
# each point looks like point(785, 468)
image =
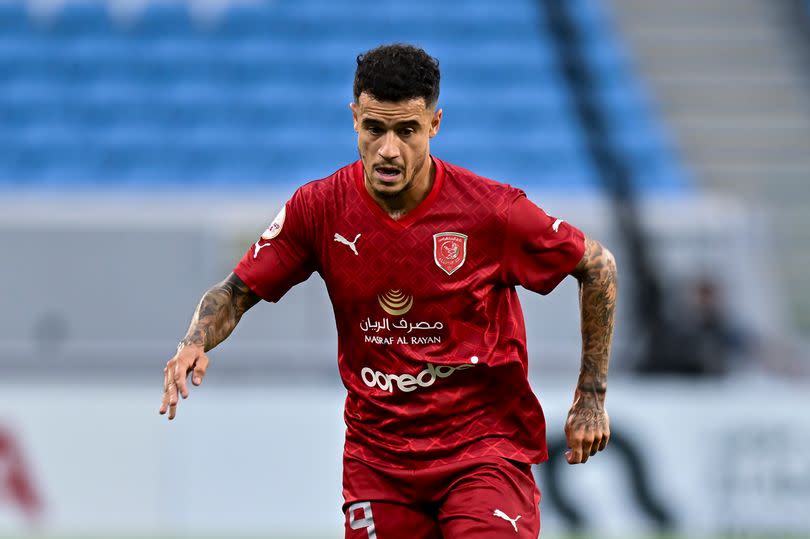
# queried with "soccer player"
point(421, 259)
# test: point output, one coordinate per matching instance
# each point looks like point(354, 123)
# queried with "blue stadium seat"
point(172, 99)
point(14, 20)
point(79, 19)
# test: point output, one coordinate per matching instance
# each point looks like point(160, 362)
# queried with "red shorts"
point(488, 498)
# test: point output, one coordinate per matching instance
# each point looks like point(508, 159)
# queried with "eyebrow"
point(404, 123)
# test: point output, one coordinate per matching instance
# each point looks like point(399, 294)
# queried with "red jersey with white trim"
point(431, 338)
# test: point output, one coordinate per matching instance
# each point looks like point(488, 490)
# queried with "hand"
point(187, 359)
point(587, 429)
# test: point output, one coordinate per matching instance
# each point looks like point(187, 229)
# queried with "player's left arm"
point(587, 429)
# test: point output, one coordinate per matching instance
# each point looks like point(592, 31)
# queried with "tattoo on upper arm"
point(596, 273)
point(219, 311)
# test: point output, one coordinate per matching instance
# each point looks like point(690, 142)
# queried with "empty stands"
point(258, 94)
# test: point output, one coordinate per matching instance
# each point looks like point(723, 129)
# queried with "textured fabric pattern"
point(431, 338)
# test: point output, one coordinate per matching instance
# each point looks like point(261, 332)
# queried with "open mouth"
point(387, 173)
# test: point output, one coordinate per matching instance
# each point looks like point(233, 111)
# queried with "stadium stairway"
point(159, 98)
point(732, 80)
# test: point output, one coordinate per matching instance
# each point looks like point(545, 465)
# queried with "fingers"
point(169, 401)
point(179, 374)
point(175, 377)
point(580, 450)
point(585, 442)
point(164, 403)
point(171, 391)
point(584, 450)
point(173, 399)
point(587, 431)
point(200, 367)
point(604, 441)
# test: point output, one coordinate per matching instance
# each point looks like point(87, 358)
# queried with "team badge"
point(449, 250)
point(275, 227)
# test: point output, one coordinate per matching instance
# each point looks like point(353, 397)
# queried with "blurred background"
point(145, 144)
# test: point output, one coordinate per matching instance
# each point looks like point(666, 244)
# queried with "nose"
point(389, 149)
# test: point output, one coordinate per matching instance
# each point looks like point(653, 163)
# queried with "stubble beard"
point(392, 195)
point(388, 196)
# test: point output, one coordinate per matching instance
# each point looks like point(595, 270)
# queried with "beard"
point(391, 195)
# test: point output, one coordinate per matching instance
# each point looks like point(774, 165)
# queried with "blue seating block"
point(170, 98)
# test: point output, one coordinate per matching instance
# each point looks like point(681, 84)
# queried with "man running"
point(421, 259)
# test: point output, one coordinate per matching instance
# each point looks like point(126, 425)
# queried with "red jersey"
point(431, 338)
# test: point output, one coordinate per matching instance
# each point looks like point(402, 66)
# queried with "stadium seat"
point(170, 96)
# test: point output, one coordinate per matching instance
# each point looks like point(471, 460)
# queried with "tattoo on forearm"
point(218, 313)
point(597, 293)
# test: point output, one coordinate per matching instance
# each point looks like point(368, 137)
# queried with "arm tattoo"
point(218, 313)
point(597, 296)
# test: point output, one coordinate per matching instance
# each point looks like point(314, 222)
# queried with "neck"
point(403, 203)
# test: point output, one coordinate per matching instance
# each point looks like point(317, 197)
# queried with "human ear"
point(435, 122)
point(353, 106)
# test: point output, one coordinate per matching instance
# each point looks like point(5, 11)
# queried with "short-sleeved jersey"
point(431, 338)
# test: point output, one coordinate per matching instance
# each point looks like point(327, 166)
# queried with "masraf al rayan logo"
point(395, 302)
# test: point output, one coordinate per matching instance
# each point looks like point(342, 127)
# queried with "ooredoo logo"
point(409, 382)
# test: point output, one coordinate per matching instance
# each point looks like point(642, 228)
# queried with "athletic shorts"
point(480, 498)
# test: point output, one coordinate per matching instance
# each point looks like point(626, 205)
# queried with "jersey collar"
point(416, 213)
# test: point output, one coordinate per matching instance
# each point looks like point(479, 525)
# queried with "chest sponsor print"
point(449, 251)
point(395, 302)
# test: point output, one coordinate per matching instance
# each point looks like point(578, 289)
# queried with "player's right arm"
point(281, 258)
point(214, 319)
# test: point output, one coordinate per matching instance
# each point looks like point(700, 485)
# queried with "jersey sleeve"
point(284, 254)
point(539, 250)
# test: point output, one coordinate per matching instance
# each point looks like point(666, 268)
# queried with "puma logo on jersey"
point(556, 226)
point(350, 244)
point(258, 247)
point(513, 521)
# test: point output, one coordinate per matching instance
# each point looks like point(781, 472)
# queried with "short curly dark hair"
point(397, 72)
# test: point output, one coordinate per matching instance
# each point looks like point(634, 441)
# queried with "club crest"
point(449, 250)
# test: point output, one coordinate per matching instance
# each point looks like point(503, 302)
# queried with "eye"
point(407, 131)
point(375, 130)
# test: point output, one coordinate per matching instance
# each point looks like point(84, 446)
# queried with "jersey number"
point(367, 520)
